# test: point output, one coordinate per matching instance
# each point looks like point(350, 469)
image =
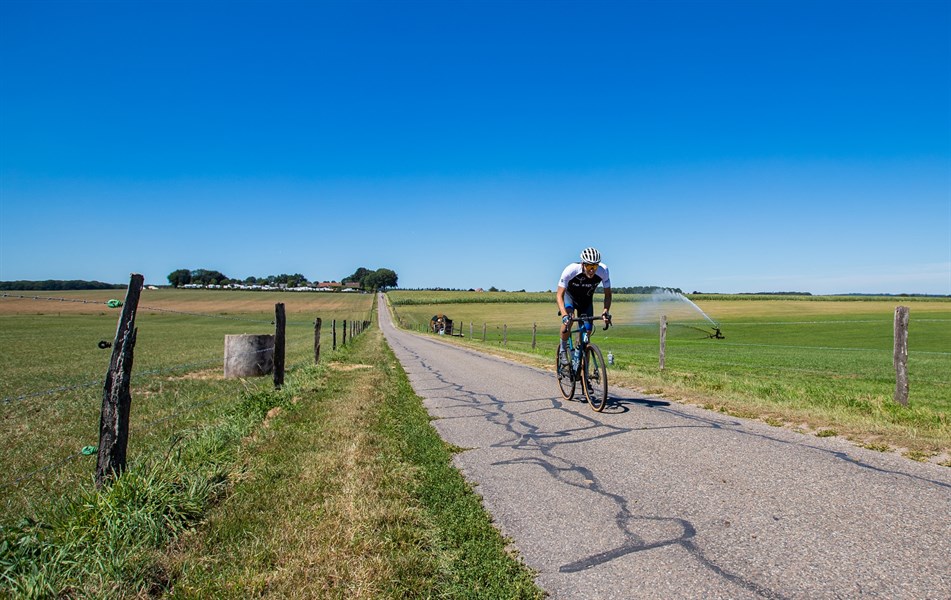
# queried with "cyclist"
point(576, 290)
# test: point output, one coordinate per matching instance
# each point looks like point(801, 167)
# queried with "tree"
point(359, 276)
point(180, 277)
point(385, 278)
point(380, 280)
point(295, 280)
point(206, 277)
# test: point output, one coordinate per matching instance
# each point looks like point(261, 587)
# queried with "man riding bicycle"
point(576, 290)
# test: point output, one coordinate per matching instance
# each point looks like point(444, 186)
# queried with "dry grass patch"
point(337, 366)
point(215, 374)
point(324, 510)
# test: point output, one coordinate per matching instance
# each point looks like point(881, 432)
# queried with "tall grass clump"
point(103, 542)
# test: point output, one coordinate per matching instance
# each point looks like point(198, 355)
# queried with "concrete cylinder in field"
point(249, 355)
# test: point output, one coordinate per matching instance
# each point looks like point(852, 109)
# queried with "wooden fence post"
point(344, 328)
point(534, 329)
point(663, 341)
point(505, 335)
point(317, 340)
point(901, 355)
point(280, 326)
point(470, 330)
point(483, 332)
point(116, 398)
point(335, 334)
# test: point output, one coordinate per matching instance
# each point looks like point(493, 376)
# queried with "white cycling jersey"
point(582, 288)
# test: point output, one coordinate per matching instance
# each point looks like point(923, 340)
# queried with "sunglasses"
point(590, 266)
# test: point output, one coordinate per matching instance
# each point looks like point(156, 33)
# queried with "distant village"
point(325, 286)
point(206, 279)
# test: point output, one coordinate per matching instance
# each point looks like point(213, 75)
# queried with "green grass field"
point(816, 364)
point(821, 366)
point(53, 372)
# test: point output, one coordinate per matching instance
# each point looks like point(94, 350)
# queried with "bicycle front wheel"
point(563, 373)
point(595, 378)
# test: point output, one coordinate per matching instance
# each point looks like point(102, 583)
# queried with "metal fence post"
point(663, 341)
point(901, 355)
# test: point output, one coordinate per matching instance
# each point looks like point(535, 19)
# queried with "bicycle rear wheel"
point(563, 373)
point(595, 378)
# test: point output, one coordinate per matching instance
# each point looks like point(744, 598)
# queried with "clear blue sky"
point(711, 146)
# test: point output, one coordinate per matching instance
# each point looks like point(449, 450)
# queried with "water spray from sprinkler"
point(662, 295)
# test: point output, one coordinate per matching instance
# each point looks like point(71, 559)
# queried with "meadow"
point(820, 365)
point(53, 372)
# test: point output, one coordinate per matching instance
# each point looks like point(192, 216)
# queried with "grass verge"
point(348, 494)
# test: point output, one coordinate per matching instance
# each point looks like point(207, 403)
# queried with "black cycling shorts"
point(585, 308)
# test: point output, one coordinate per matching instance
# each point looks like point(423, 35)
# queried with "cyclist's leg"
point(586, 309)
point(566, 329)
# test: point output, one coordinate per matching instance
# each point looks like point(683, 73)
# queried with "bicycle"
point(586, 364)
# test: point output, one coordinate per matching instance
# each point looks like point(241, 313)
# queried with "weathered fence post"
point(280, 326)
point(534, 329)
point(317, 340)
point(901, 355)
point(335, 334)
point(505, 335)
point(483, 332)
point(470, 330)
point(663, 341)
point(344, 328)
point(116, 398)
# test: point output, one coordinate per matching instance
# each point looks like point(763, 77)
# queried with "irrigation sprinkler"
point(717, 334)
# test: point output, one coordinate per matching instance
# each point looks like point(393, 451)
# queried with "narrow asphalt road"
point(652, 499)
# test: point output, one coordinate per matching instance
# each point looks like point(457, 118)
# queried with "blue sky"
point(710, 146)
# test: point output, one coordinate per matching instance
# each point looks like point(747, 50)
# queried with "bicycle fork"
point(576, 352)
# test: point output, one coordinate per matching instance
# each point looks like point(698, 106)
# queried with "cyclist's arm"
point(607, 301)
point(560, 296)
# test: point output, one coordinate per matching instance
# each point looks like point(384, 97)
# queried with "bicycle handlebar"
point(605, 318)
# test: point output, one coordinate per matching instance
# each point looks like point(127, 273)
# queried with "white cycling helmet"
point(590, 256)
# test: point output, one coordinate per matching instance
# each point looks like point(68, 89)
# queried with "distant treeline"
point(638, 289)
point(645, 289)
point(367, 279)
point(770, 293)
point(59, 284)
